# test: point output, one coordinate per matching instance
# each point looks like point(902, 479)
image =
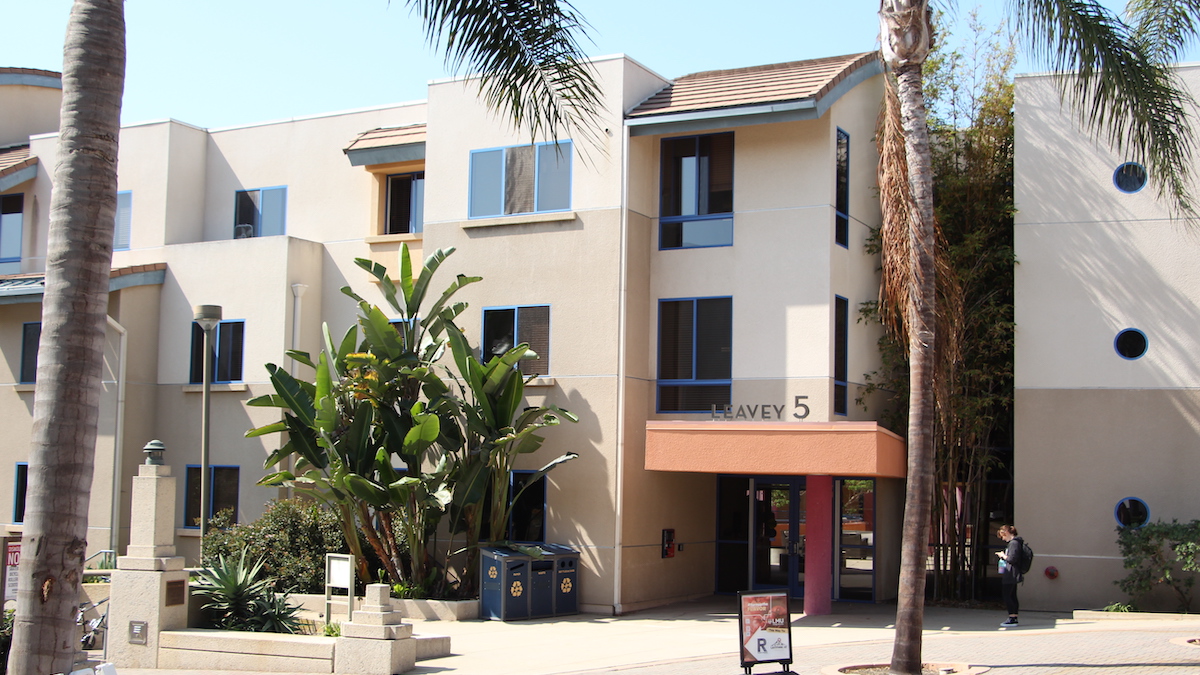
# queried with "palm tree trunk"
point(71, 353)
point(910, 610)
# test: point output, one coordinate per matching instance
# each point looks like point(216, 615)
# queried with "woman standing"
point(1010, 571)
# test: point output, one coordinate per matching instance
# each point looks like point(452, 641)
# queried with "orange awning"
point(776, 448)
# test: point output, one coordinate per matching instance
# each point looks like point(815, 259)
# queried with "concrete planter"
point(1100, 615)
point(439, 610)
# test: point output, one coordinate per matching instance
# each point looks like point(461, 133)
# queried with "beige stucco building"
point(1107, 400)
point(690, 276)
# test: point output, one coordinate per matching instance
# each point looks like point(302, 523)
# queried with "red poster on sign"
point(765, 628)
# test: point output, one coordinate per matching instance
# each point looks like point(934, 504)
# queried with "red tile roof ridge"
point(29, 71)
point(134, 269)
point(844, 59)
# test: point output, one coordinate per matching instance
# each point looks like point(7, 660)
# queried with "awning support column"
point(818, 546)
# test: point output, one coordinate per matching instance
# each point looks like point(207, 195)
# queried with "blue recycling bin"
point(504, 584)
point(565, 583)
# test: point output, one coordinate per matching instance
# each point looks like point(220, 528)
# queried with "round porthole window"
point(1131, 343)
point(1132, 512)
point(1130, 177)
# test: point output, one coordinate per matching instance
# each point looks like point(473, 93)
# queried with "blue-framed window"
point(1130, 177)
point(695, 354)
point(31, 335)
point(124, 221)
point(12, 209)
point(260, 213)
point(696, 201)
point(527, 520)
point(841, 230)
point(1132, 512)
point(20, 487)
point(841, 336)
point(229, 343)
point(520, 179)
point(506, 327)
point(222, 493)
point(405, 203)
point(1131, 344)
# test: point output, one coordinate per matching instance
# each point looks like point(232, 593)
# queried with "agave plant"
point(238, 599)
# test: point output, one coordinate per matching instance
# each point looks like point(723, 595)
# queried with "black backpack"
point(1026, 562)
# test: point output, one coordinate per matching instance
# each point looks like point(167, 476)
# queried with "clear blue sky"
point(217, 63)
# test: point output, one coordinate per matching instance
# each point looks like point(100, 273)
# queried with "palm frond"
point(898, 209)
point(1120, 88)
point(530, 63)
point(1164, 27)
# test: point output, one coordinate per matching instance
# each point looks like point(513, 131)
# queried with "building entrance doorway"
point(779, 512)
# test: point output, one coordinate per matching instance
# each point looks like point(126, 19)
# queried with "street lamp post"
point(208, 316)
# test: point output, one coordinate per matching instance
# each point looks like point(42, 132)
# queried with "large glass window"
point(695, 354)
point(520, 179)
point(124, 221)
point(841, 335)
point(12, 208)
point(31, 335)
point(222, 493)
point(228, 345)
point(527, 520)
point(405, 203)
point(506, 327)
point(856, 539)
point(696, 205)
point(260, 213)
point(841, 231)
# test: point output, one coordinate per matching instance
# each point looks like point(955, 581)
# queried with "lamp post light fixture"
point(154, 452)
point(208, 316)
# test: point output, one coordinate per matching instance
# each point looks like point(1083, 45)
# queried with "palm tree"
point(71, 353)
point(532, 69)
point(1124, 89)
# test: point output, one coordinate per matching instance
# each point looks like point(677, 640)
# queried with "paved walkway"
point(700, 638)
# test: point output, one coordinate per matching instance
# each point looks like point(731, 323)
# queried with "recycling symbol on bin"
point(565, 585)
point(516, 589)
point(492, 572)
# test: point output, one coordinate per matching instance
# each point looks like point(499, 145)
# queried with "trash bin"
point(565, 584)
point(541, 587)
point(504, 584)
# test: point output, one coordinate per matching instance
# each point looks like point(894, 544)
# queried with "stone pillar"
point(818, 546)
point(149, 586)
point(375, 641)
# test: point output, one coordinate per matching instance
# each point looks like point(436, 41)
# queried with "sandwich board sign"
point(765, 628)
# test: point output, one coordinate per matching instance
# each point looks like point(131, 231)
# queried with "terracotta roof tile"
point(14, 158)
point(386, 137)
point(758, 85)
point(134, 269)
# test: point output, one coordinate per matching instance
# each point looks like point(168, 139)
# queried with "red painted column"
point(818, 546)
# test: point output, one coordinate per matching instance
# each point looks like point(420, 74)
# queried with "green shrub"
point(240, 599)
point(291, 538)
point(6, 630)
point(1161, 554)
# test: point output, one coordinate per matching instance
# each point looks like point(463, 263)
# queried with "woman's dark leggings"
point(1009, 592)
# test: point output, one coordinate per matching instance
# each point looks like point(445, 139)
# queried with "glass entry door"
point(779, 530)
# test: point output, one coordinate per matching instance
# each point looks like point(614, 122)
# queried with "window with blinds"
point(695, 354)
point(506, 327)
point(228, 345)
point(123, 224)
point(520, 179)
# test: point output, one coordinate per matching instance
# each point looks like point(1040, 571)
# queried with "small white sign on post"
point(339, 573)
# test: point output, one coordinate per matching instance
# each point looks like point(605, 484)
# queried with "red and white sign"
point(12, 561)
